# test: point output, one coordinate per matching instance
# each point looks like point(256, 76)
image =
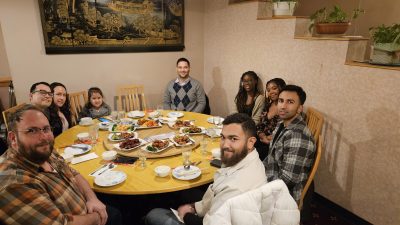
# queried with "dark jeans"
point(114, 216)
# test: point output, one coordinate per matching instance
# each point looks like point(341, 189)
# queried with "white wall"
point(359, 167)
point(28, 63)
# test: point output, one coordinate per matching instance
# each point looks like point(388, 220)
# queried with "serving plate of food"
point(157, 146)
point(182, 140)
point(129, 144)
point(121, 136)
point(147, 123)
point(117, 127)
point(192, 130)
point(181, 123)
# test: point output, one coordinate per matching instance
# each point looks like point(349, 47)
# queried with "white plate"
point(119, 133)
point(135, 114)
point(171, 125)
point(175, 114)
point(86, 124)
point(218, 132)
point(179, 145)
point(116, 146)
point(104, 125)
point(211, 120)
point(154, 114)
point(77, 151)
point(131, 129)
point(159, 150)
point(110, 178)
point(144, 127)
point(182, 128)
point(190, 174)
point(126, 121)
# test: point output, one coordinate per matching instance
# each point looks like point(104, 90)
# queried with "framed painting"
point(98, 26)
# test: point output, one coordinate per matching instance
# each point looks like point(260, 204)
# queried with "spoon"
point(109, 168)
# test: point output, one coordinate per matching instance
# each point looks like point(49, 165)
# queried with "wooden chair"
point(314, 120)
point(7, 112)
point(77, 101)
point(313, 170)
point(131, 98)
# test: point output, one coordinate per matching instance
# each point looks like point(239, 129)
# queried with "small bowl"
point(67, 157)
point(109, 155)
point(162, 171)
point(86, 120)
point(83, 136)
point(216, 153)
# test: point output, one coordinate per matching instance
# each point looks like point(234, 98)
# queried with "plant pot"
point(284, 8)
point(381, 56)
point(331, 28)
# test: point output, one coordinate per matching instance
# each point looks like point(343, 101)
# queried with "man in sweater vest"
point(184, 93)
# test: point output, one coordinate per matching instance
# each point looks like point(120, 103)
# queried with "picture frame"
point(112, 26)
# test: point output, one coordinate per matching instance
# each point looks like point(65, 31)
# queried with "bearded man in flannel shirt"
point(184, 93)
point(37, 186)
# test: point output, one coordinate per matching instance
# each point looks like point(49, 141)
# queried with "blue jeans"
point(161, 217)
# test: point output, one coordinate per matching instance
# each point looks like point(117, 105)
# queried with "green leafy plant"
point(335, 15)
point(385, 34)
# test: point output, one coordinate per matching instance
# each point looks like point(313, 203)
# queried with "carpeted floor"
point(321, 215)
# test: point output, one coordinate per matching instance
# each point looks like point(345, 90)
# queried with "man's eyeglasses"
point(36, 130)
point(43, 93)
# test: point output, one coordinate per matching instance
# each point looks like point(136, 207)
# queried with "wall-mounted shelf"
point(364, 64)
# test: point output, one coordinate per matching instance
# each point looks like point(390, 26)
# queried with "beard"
point(33, 154)
point(235, 158)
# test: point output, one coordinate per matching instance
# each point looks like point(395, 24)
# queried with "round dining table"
point(143, 180)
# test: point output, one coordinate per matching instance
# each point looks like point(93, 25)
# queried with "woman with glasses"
point(249, 99)
point(269, 116)
point(60, 114)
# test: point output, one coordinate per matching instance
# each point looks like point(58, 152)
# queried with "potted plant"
point(386, 44)
point(284, 7)
point(334, 21)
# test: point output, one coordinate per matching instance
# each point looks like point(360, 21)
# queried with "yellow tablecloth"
point(144, 181)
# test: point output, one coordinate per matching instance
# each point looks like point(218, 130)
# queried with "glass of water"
point(203, 145)
point(142, 158)
point(186, 152)
point(94, 133)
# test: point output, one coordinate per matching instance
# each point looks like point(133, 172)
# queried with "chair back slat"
point(313, 170)
point(314, 120)
point(131, 98)
point(7, 113)
point(77, 102)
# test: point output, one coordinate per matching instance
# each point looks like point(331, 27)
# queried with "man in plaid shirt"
point(292, 150)
point(37, 186)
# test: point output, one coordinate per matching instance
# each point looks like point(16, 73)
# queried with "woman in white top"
point(60, 113)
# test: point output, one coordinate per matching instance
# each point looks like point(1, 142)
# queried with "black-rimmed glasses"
point(43, 93)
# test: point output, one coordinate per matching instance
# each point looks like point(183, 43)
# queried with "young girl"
point(95, 107)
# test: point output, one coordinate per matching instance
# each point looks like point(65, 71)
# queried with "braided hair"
point(241, 96)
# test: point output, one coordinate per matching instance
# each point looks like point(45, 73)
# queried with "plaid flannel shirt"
point(28, 195)
point(291, 156)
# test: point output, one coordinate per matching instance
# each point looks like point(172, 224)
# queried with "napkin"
point(84, 158)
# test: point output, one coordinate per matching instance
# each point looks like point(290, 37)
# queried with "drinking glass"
point(217, 120)
point(160, 108)
point(94, 133)
point(186, 152)
point(121, 115)
point(142, 158)
point(114, 115)
point(203, 145)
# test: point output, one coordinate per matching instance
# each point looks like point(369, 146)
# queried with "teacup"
point(162, 171)
point(216, 153)
point(86, 120)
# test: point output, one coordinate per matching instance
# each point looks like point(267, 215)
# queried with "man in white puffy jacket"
point(242, 171)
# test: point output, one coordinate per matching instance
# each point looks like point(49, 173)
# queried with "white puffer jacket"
point(270, 204)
